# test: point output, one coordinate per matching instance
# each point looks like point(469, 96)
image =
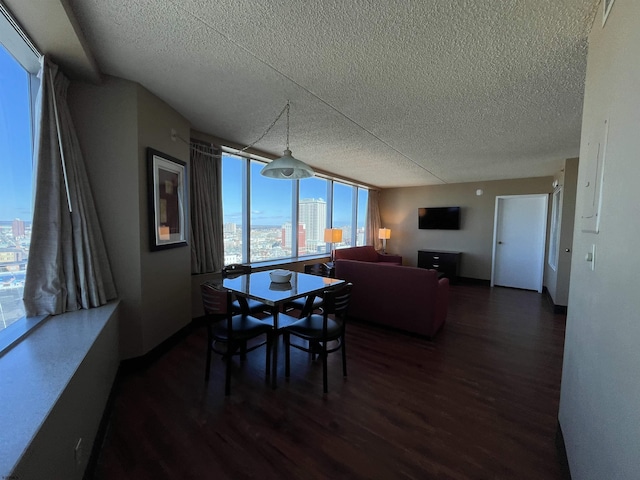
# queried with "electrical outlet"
point(78, 452)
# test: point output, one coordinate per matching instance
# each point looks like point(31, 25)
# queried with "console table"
point(446, 262)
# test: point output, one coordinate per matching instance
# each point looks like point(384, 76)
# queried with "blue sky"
point(15, 143)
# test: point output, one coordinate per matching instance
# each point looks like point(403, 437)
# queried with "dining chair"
point(241, 304)
point(231, 330)
point(320, 269)
point(319, 330)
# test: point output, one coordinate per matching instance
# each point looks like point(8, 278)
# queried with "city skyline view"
point(15, 186)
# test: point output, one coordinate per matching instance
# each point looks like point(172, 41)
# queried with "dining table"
point(258, 286)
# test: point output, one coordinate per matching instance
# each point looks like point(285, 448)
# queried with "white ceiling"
point(390, 93)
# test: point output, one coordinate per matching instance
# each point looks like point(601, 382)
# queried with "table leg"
point(274, 349)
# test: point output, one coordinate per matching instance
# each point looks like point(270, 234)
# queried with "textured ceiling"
point(393, 93)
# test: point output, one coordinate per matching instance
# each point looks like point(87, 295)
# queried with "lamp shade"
point(384, 234)
point(287, 167)
point(332, 235)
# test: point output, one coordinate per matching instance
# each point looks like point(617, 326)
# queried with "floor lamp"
point(332, 236)
point(384, 234)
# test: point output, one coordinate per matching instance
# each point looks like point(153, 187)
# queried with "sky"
point(15, 140)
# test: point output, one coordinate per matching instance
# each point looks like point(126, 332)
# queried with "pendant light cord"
point(286, 108)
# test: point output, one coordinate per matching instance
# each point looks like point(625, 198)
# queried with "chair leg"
point(324, 367)
point(243, 350)
point(227, 378)
point(269, 342)
point(344, 356)
point(287, 359)
point(207, 369)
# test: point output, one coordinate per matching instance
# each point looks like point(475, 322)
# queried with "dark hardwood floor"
point(478, 402)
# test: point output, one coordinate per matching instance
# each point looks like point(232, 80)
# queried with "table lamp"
point(384, 234)
point(332, 235)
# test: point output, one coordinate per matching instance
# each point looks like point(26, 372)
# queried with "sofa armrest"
point(385, 257)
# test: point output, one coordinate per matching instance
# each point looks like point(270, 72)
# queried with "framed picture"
point(167, 179)
point(606, 8)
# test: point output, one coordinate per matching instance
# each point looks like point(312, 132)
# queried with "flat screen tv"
point(439, 218)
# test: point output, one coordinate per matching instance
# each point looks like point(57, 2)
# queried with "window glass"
point(271, 216)
point(232, 209)
point(259, 213)
point(363, 199)
point(16, 209)
point(343, 212)
point(312, 215)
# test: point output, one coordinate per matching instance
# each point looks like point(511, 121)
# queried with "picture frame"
point(606, 9)
point(167, 193)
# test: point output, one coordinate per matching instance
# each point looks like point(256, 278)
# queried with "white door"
point(519, 235)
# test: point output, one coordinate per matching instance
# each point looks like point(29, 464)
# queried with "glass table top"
point(259, 286)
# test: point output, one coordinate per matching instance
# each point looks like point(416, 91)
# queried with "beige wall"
point(116, 121)
point(165, 274)
point(600, 391)
point(106, 119)
point(399, 212)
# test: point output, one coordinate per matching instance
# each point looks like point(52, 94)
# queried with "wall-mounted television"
point(439, 218)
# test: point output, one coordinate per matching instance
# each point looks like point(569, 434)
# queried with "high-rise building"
point(17, 228)
point(313, 214)
point(287, 237)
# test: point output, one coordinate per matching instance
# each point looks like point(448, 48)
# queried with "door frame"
point(543, 240)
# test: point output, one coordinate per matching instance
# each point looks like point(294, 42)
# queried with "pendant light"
point(287, 167)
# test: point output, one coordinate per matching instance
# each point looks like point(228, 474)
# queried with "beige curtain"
point(207, 244)
point(68, 268)
point(373, 220)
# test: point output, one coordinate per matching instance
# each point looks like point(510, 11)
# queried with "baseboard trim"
point(560, 309)
point(473, 281)
point(562, 453)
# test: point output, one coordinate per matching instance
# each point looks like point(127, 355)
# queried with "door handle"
point(499, 243)
point(567, 250)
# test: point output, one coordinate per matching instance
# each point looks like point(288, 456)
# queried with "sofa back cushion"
point(363, 254)
point(403, 297)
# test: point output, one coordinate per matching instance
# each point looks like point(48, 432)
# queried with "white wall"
point(600, 393)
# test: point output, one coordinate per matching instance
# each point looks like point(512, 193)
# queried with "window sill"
point(15, 332)
point(36, 373)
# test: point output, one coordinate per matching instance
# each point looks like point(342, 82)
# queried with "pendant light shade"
point(286, 167)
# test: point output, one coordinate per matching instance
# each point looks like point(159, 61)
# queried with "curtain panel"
point(68, 268)
point(207, 240)
point(373, 220)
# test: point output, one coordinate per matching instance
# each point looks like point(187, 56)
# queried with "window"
point(361, 232)
point(233, 174)
point(312, 215)
point(271, 216)
point(16, 209)
point(342, 215)
point(267, 219)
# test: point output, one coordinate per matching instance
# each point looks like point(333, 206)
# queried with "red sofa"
point(366, 254)
point(408, 298)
